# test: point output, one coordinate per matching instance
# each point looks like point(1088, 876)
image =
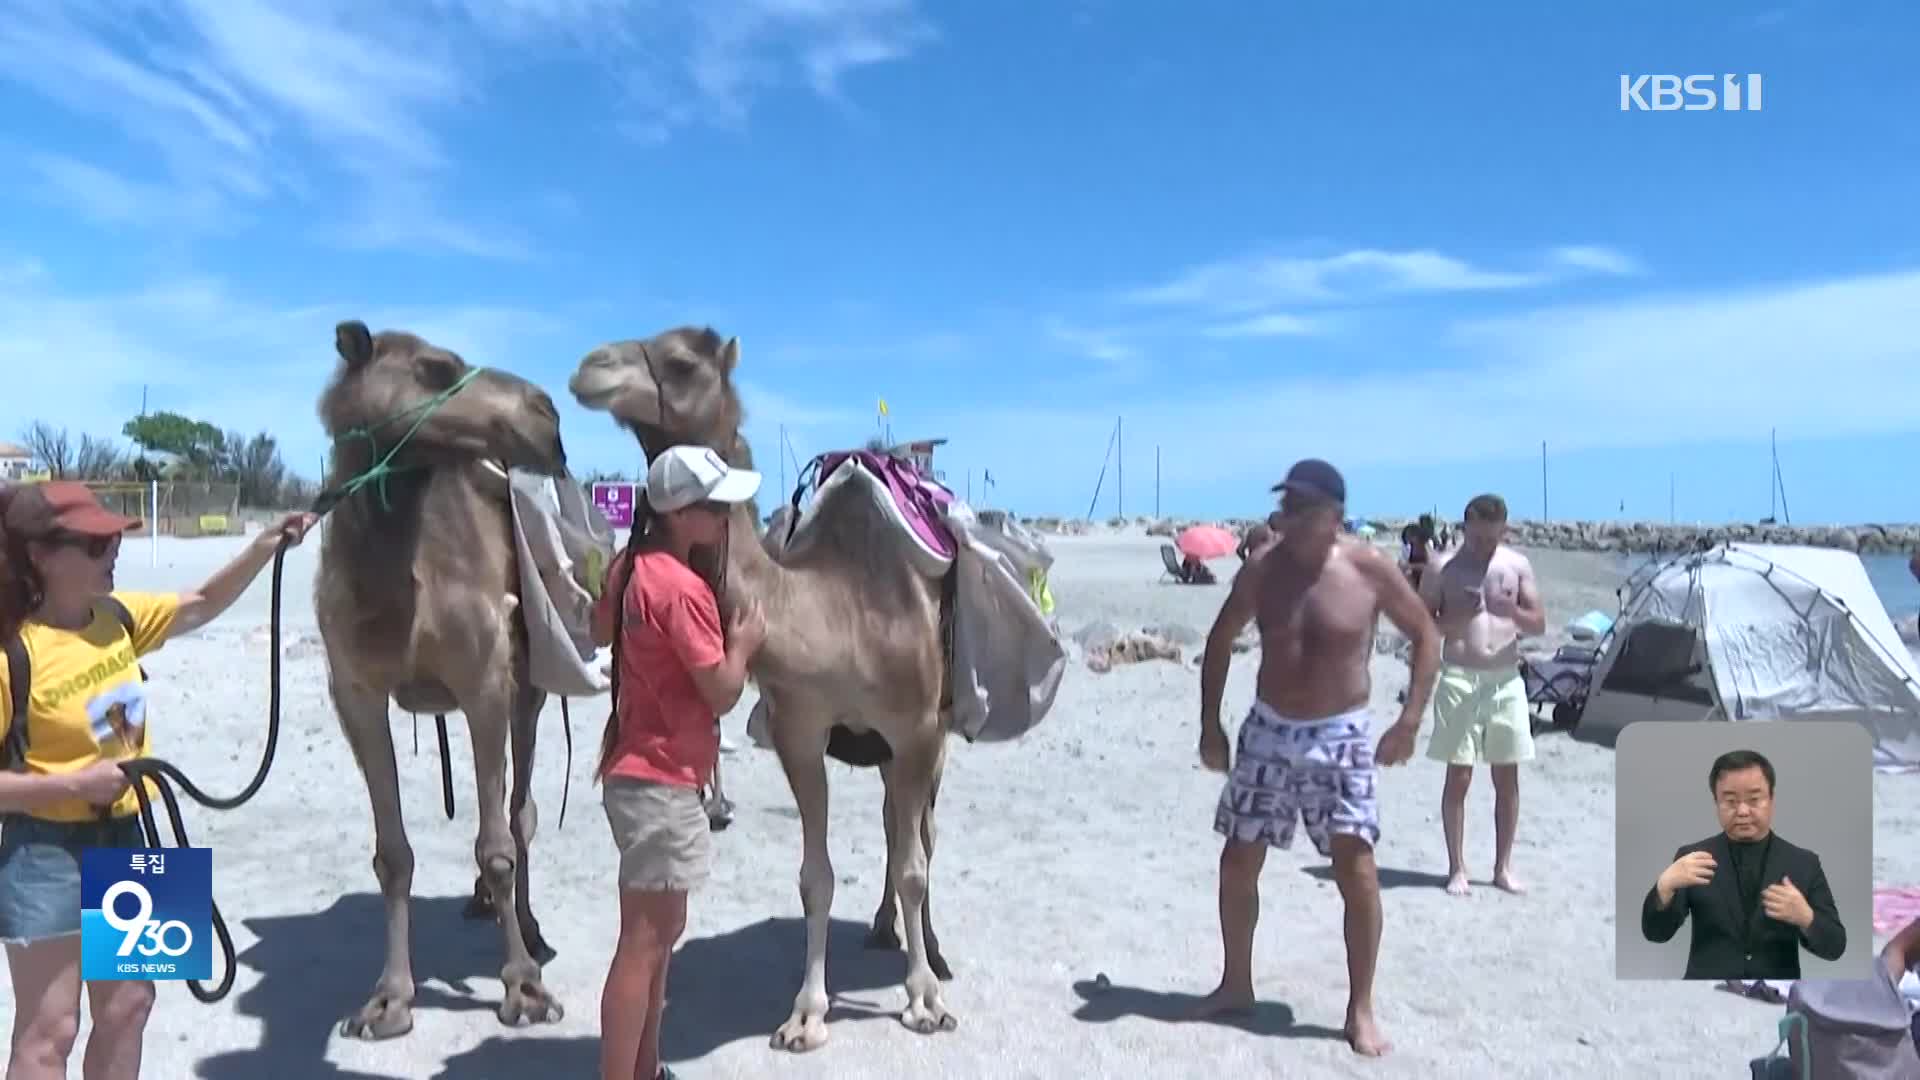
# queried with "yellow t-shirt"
point(88, 700)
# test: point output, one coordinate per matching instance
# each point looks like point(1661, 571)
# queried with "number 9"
point(129, 927)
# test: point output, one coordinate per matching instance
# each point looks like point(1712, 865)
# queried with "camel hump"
point(915, 505)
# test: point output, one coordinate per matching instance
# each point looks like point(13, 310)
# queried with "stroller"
point(1559, 683)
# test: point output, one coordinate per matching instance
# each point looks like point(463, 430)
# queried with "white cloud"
point(1600, 260)
point(1824, 359)
point(1277, 324)
point(1245, 285)
point(1107, 346)
point(248, 100)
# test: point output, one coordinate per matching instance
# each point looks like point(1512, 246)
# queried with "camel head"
point(387, 381)
point(675, 387)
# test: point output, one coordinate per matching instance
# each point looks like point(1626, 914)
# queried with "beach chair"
point(1560, 684)
point(1171, 559)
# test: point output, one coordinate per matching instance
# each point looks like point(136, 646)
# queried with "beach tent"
point(1757, 632)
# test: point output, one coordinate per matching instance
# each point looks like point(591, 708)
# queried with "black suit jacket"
point(1727, 946)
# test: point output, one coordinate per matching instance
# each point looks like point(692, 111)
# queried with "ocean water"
point(1894, 582)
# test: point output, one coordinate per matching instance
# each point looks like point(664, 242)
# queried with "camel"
point(853, 654)
point(417, 600)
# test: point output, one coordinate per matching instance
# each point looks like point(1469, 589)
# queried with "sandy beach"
point(1073, 888)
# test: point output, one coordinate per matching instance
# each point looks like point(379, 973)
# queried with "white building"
point(15, 462)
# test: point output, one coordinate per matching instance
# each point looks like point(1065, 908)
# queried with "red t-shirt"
point(666, 730)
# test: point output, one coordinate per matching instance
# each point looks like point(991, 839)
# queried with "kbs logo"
point(146, 913)
point(1692, 93)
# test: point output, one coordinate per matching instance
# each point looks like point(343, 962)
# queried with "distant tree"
point(51, 447)
point(199, 444)
point(98, 459)
point(255, 465)
point(600, 476)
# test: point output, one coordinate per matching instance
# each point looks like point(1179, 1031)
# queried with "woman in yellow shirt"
point(62, 790)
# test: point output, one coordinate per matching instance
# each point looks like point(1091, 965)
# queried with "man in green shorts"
point(1484, 599)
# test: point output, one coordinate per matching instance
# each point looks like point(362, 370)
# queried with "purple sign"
point(615, 502)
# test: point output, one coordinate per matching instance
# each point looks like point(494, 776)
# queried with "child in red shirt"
point(675, 673)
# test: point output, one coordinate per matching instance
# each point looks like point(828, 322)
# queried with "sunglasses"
point(96, 547)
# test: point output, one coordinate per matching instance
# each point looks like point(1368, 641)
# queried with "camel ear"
point(729, 355)
point(354, 343)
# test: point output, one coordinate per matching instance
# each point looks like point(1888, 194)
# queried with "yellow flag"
point(883, 406)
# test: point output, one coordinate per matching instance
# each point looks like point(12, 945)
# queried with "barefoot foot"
point(1457, 883)
point(1364, 1035)
point(1224, 1001)
point(1506, 882)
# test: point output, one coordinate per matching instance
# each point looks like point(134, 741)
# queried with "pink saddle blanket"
point(921, 500)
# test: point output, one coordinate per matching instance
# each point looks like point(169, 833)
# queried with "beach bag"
point(1856, 1029)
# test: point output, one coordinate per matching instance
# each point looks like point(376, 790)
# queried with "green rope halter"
point(380, 470)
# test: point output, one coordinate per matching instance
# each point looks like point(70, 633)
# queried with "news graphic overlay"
point(146, 913)
point(1743, 850)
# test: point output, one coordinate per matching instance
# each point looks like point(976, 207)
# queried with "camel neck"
point(751, 572)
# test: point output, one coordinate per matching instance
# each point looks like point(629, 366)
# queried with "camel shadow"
point(1107, 1002)
point(740, 984)
point(722, 989)
point(1392, 878)
point(317, 968)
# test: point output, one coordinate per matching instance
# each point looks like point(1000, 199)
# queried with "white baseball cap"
point(685, 475)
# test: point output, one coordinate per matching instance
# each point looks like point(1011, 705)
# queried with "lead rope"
point(160, 772)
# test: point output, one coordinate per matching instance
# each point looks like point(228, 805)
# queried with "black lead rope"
point(161, 772)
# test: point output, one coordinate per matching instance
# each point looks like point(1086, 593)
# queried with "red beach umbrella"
point(1205, 542)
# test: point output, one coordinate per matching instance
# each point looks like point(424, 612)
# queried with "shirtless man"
point(1484, 598)
point(1303, 748)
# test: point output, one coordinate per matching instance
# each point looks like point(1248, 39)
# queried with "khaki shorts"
point(1481, 717)
point(661, 832)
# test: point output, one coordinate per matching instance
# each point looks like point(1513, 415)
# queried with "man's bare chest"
point(1324, 613)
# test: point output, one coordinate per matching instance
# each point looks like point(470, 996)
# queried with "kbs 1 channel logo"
point(146, 913)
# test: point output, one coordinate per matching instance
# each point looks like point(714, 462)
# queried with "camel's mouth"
point(596, 385)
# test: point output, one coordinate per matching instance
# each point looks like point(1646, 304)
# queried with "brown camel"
point(417, 599)
point(853, 642)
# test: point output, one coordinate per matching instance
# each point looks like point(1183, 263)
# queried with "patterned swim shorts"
point(1319, 772)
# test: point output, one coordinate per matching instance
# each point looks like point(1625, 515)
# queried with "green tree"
point(196, 442)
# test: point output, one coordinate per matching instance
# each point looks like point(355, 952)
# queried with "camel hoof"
point(927, 1019)
point(384, 1016)
point(801, 1034)
point(882, 937)
point(530, 1003)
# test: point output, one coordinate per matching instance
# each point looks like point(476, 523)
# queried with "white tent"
point(1758, 632)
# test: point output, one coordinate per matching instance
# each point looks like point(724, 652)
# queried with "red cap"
point(37, 511)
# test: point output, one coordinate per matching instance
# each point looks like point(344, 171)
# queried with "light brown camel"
point(417, 600)
point(853, 641)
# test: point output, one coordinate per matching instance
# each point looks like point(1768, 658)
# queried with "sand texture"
point(1074, 888)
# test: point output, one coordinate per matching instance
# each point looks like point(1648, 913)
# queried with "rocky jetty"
point(1578, 535)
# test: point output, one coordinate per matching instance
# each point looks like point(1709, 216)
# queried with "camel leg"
point(719, 807)
point(915, 772)
point(802, 749)
point(526, 818)
point(363, 718)
point(495, 850)
point(883, 935)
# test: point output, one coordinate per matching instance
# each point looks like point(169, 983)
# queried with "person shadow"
point(1391, 877)
point(317, 968)
point(722, 988)
point(1105, 1002)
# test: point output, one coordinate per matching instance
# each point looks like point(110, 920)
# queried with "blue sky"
point(1416, 239)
